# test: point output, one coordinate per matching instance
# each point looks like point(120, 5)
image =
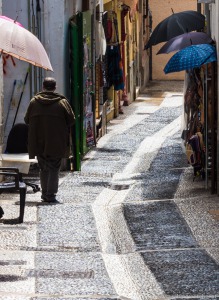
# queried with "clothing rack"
point(113, 44)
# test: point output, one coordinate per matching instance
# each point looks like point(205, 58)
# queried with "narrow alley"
point(132, 224)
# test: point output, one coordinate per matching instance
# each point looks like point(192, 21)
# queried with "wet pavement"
point(131, 225)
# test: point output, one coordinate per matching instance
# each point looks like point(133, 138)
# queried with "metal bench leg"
point(23, 192)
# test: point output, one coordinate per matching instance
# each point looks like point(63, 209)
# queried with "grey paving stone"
point(184, 272)
point(158, 225)
point(67, 225)
point(72, 273)
point(162, 179)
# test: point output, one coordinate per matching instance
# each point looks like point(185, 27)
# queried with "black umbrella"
point(176, 24)
point(185, 40)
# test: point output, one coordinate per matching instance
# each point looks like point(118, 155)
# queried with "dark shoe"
point(49, 200)
point(54, 201)
point(43, 198)
point(48, 197)
point(1, 212)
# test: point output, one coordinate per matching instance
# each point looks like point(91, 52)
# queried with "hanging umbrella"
point(17, 41)
point(176, 24)
point(191, 57)
point(185, 40)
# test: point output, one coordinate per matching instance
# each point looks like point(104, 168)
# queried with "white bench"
point(22, 162)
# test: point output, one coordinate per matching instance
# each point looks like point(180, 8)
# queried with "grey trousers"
point(49, 175)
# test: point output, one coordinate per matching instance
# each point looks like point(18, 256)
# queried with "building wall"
point(160, 11)
point(54, 20)
point(14, 74)
point(56, 16)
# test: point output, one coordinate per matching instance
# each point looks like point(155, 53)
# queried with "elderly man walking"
point(50, 117)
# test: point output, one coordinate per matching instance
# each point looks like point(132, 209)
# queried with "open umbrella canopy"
point(176, 24)
point(191, 57)
point(185, 40)
point(17, 41)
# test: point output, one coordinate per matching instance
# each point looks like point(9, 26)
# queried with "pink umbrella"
point(8, 19)
point(19, 42)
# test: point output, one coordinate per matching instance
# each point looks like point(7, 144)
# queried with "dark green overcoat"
point(49, 116)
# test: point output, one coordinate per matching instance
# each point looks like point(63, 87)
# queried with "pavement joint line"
point(195, 197)
point(211, 297)
point(54, 248)
point(87, 173)
point(159, 200)
point(79, 296)
point(177, 249)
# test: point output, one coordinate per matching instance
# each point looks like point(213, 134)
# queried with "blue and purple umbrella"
point(185, 40)
point(191, 57)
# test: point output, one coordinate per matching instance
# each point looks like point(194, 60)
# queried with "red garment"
point(123, 33)
point(109, 31)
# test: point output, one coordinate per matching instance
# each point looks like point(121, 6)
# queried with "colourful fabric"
point(115, 71)
point(123, 33)
point(132, 4)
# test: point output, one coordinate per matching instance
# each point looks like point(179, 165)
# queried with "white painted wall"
point(55, 15)
point(17, 72)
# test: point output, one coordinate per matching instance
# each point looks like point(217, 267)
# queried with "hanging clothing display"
point(193, 104)
point(115, 71)
point(194, 122)
point(100, 40)
point(88, 125)
point(108, 26)
point(132, 4)
point(123, 15)
point(113, 61)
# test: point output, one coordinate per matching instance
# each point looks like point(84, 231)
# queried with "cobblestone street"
point(131, 224)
